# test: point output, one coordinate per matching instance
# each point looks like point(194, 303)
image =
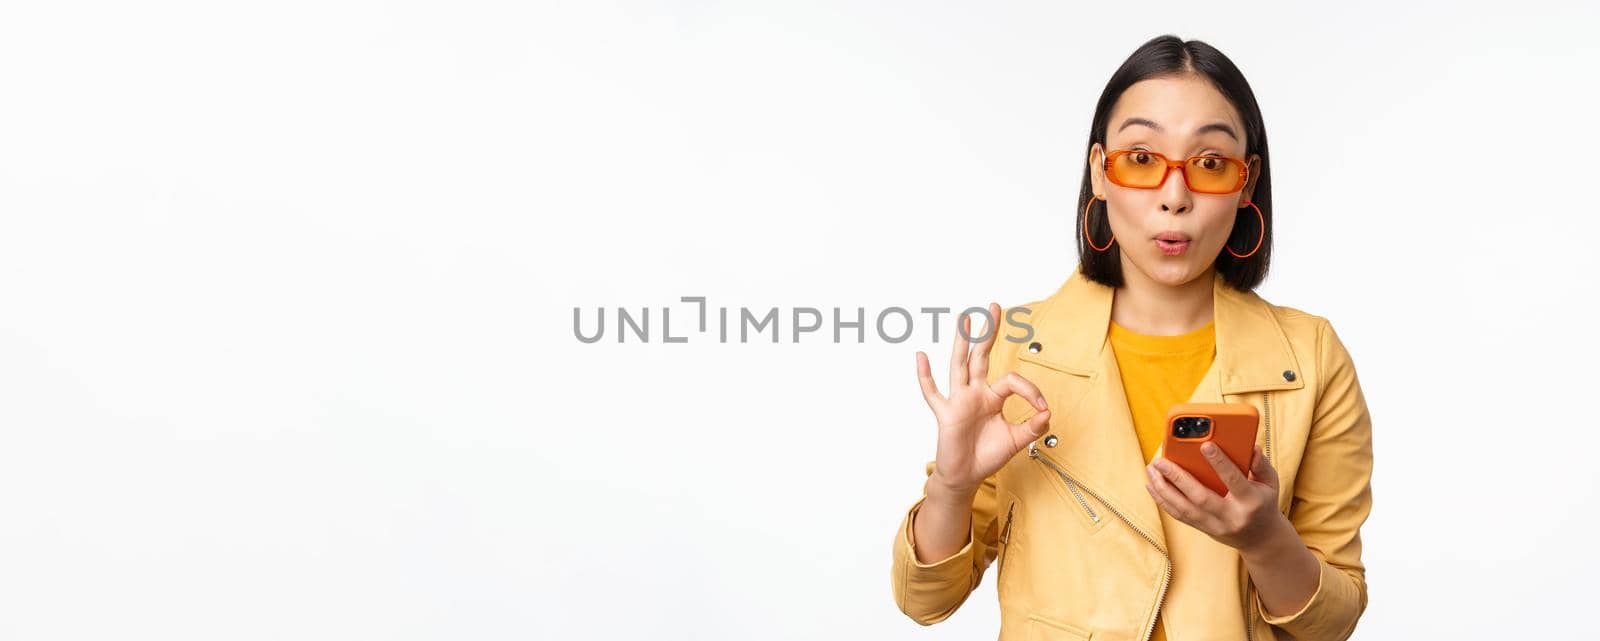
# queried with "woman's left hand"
point(1245, 519)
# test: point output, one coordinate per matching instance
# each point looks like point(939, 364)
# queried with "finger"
point(1262, 470)
point(930, 391)
point(1171, 499)
point(958, 355)
point(979, 368)
point(1226, 470)
point(1161, 502)
point(1197, 494)
point(1030, 429)
point(1014, 383)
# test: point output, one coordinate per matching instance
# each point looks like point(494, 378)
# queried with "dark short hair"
point(1169, 55)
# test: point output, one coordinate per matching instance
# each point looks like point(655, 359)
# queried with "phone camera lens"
point(1191, 426)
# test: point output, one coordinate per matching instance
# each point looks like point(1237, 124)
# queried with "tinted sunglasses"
point(1141, 169)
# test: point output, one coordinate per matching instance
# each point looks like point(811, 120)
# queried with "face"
point(1177, 117)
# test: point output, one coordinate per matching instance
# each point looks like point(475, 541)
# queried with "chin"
point(1169, 271)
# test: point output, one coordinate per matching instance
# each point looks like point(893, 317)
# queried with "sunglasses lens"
point(1213, 175)
point(1138, 169)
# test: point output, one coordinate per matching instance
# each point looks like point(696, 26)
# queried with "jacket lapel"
point(1097, 440)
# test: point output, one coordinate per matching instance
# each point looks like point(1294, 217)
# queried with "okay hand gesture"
point(974, 440)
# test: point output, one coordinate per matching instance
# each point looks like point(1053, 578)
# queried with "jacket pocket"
point(1072, 494)
point(1043, 628)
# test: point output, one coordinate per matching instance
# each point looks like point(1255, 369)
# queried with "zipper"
point(1266, 406)
point(1249, 604)
point(1072, 486)
point(1005, 541)
point(1166, 576)
point(1249, 614)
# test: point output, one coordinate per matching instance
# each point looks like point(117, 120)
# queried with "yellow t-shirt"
point(1157, 373)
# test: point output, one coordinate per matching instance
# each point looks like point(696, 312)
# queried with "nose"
point(1175, 195)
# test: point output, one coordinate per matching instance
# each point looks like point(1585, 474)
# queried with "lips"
point(1172, 243)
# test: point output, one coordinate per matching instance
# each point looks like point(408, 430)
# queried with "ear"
point(1097, 169)
point(1252, 174)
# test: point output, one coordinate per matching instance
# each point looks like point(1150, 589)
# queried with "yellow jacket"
point(1079, 547)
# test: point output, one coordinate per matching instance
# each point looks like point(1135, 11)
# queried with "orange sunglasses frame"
point(1111, 158)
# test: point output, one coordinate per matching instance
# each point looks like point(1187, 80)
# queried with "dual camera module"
point(1191, 426)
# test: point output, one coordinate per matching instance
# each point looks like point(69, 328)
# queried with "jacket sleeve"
point(1332, 498)
point(931, 592)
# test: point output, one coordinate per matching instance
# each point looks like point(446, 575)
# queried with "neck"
point(1147, 306)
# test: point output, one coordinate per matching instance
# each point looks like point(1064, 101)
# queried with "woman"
point(1047, 465)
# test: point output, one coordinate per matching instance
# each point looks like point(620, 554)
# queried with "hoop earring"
point(1259, 239)
point(1088, 238)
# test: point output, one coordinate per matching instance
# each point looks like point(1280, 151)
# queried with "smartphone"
point(1231, 426)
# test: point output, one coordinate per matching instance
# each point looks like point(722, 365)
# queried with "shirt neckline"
point(1193, 341)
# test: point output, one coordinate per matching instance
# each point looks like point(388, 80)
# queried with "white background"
point(286, 295)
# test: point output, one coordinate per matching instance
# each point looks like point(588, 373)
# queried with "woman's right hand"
point(974, 440)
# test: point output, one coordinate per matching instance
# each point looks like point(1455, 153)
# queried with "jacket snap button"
point(1288, 375)
point(1035, 347)
point(1050, 441)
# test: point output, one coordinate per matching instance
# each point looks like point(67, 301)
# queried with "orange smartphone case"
point(1233, 428)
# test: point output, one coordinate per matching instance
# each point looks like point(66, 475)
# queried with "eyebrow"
point(1215, 126)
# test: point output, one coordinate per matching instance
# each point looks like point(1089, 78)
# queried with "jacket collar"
point(1097, 443)
point(1252, 350)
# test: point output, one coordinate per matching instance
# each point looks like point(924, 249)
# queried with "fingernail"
point(1210, 449)
point(1039, 403)
point(1151, 471)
